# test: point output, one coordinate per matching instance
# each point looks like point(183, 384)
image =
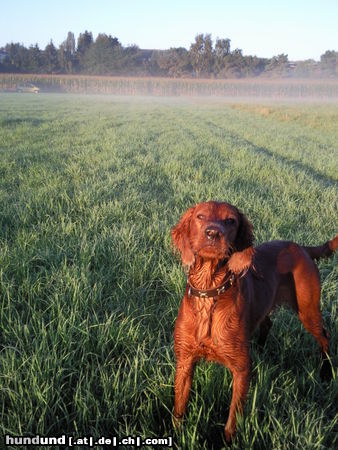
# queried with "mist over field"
point(278, 89)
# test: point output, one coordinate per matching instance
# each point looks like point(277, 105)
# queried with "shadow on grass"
point(294, 164)
point(12, 123)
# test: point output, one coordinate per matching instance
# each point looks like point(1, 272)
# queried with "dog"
point(231, 290)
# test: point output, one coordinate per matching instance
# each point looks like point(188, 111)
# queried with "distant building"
point(292, 64)
point(3, 55)
point(145, 55)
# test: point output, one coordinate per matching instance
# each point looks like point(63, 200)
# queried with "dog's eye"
point(229, 221)
point(201, 216)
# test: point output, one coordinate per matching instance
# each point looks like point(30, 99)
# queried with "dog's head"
point(211, 230)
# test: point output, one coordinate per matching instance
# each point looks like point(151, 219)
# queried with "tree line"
point(205, 59)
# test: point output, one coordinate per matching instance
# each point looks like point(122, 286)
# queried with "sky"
point(302, 29)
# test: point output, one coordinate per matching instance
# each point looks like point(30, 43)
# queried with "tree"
point(70, 44)
point(238, 63)
point(17, 57)
point(62, 59)
point(329, 62)
point(222, 47)
point(13, 57)
point(306, 69)
point(129, 59)
point(278, 66)
point(103, 55)
point(66, 54)
point(174, 62)
point(202, 55)
point(222, 50)
point(84, 42)
point(254, 66)
point(51, 58)
point(35, 59)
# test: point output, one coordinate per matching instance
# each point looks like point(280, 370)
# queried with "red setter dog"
point(231, 290)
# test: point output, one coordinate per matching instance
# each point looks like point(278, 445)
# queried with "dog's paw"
point(228, 437)
point(241, 261)
point(177, 422)
point(326, 371)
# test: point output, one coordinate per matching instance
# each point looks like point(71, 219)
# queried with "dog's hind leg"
point(264, 329)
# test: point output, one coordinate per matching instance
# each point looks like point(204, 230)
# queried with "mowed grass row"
point(89, 189)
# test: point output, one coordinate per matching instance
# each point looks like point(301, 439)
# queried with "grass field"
point(89, 189)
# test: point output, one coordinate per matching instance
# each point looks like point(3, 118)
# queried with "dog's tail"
point(323, 251)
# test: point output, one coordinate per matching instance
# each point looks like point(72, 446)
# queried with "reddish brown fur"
point(215, 238)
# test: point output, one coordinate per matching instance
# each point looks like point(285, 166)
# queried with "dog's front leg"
point(241, 381)
point(183, 379)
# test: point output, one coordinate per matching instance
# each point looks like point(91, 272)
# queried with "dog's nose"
point(213, 232)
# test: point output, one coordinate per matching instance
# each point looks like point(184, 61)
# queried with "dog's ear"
point(245, 236)
point(180, 238)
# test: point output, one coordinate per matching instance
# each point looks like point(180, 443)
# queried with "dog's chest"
point(211, 328)
point(204, 309)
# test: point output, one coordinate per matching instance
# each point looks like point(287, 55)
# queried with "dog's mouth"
point(213, 250)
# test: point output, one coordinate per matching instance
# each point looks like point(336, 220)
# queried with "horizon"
point(257, 29)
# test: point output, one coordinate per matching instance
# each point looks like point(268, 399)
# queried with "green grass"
point(89, 189)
